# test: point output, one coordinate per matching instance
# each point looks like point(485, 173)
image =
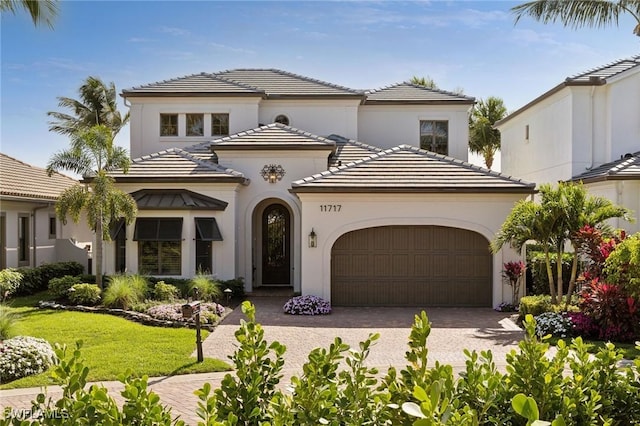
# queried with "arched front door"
point(276, 245)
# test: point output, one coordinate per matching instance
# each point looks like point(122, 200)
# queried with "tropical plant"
point(612, 309)
point(207, 287)
point(41, 11)
point(552, 222)
point(622, 265)
point(484, 139)
point(165, 292)
point(580, 13)
point(513, 272)
point(97, 106)
point(427, 82)
point(123, 292)
point(92, 154)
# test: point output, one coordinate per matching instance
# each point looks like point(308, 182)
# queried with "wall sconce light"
point(313, 239)
point(272, 173)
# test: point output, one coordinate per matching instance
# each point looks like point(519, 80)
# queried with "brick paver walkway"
point(453, 329)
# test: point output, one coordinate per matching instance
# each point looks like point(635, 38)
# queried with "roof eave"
point(28, 198)
point(419, 102)
point(411, 190)
point(191, 94)
point(274, 147)
point(276, 96)
point(191, 179)
point(604, 178)
point(547, 94)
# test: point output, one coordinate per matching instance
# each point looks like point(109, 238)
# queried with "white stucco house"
point(360, 197)
point(587, 128)
point(30, 233)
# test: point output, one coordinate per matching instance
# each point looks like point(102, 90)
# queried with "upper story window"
point(282, 119)
point(219, 124)
point(434, 136)
point(168, 124)
point(52, 227)
point(195, 124)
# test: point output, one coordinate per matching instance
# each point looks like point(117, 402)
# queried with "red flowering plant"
point(512, 272)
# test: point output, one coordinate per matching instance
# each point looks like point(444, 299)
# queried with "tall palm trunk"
point(98, 252)
point(572, 280)
point(559, 277)
point(552, 288)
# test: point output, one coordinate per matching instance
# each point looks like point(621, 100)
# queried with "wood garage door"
point(411, 266)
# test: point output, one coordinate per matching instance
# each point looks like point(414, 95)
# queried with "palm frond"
point(41, 11)
point(69, 160)
point(72, 202)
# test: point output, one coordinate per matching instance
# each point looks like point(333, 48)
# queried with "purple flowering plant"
point(307, 305)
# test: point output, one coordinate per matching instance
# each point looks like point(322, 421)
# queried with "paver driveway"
point(453, 329)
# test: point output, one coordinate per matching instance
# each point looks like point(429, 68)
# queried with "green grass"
point(111, 344)
point(629, 350)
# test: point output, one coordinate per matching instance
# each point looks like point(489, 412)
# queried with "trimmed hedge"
point(37, 279)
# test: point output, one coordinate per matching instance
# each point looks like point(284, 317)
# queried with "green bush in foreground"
point(336, 387)
point(85, 294)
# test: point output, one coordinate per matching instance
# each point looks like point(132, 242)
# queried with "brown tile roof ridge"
point(188, 156)
point(610, 169)
point(213, 76)
point(292, 75)
point(343, 140)
point(260, 129)
point(412, 149)
point(418, 86)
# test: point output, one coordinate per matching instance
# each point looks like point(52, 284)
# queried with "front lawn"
point(111, 344)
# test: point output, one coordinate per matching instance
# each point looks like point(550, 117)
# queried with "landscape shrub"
point(165, 292)
point(583, 325)
point(534, 305)
point(85, 294)
point(557, 324)
point(622, 266)
point(8, 321)
point(31, 281)
point(612, 309)
point(575, 386)
point(59, 287)
point(307, 305)
point(181, 283)
point(236, 286)
point(24, 356)
point(48, 271)
point(10, 280)
point(208, 288)
point(124, 291)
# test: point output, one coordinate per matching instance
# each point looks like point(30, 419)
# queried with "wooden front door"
point(276, 245)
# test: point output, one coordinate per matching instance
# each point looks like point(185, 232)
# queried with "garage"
point(411, 266)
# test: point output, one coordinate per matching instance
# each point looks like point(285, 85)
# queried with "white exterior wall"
point(482, 213)
point(623, 113)
point(145, 120)
point(546, 155)
point(387, 126)
point(623, 193)
point(224, 252)
point(251, 198)
point(45, 244)
point(321, 117)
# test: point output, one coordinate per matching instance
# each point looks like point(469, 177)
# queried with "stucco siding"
point(479, 213)
point(389, 126)
point(623, 193)
point(624, 110)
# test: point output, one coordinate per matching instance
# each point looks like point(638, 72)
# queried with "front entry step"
point(272, 291)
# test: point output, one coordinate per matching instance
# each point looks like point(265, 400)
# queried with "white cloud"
point(219, 46)
point(177, 32)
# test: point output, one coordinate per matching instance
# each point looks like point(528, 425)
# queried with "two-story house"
point(587, 128)
point(360, 197)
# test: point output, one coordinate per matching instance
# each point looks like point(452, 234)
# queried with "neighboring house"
point(30, 233)
point(587, 128)
point(289, 181)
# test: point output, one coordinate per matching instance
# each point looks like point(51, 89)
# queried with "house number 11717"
point(330, 207)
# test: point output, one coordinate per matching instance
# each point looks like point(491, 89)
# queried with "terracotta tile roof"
point(348, 150)
point(276, 82)
point(409, 169)
point(626, 168)
point(21, 180)
point(273, 136)
point(203, 83)
point(414, 93)
point(176, 164)
point(606, 71)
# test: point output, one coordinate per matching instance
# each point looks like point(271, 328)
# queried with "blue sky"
point(473, 45)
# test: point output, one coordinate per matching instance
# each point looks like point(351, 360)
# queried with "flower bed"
point(307, 305)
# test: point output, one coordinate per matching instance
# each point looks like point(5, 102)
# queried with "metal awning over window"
point(115, 228)
point(158, 229)
point(207, 229)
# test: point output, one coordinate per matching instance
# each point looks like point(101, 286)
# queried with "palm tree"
point(552, 222)
point(97, 106)
point(427, 82)
point(41, 11)
point(483, 138)
point(580, 13)
point(92, 154)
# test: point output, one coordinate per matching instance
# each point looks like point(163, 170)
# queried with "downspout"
point(33, 238)
point(593, 119)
